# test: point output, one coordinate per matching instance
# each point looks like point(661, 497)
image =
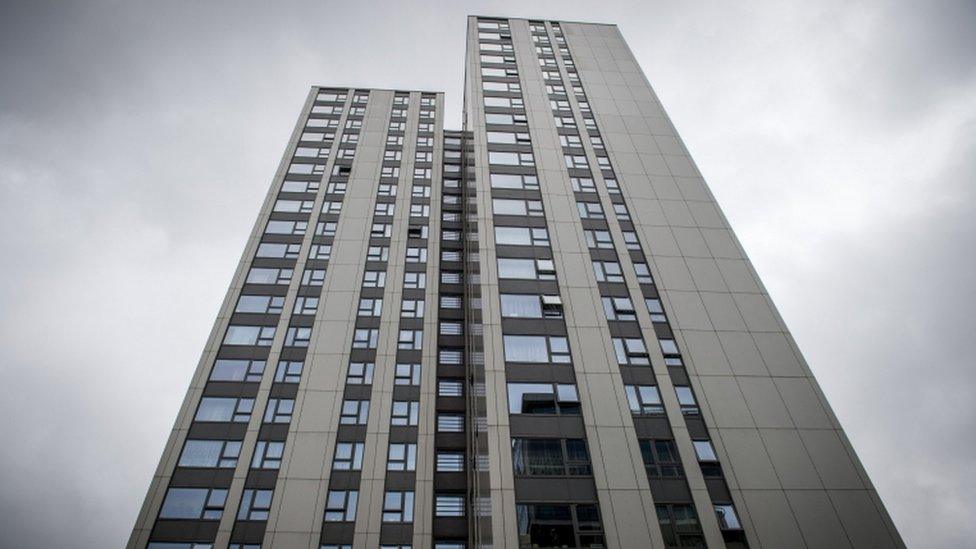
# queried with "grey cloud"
point(137, 141)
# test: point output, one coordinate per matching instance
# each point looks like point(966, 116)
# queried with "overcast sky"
point(137, 141)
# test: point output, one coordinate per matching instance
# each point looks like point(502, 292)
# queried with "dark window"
point(661, 458)
point(550, 457)
point(679, 525)
point(545, 525)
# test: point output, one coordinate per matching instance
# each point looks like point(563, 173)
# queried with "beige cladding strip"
point(303, 476)
point(686, 451)
point(373, 476)
point(424, 483)
point(622, 486)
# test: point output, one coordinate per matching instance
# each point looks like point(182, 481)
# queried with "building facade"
point(539, 331)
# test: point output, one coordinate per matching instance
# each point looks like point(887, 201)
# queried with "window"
point(504, 206)
point(401, 457)
point(237, 370)
point(450, 277)
point(631, 351)
point(449, 462)
point(336, 188)
point(269, 276)
point(384, 209)
point(631, 241)
point(583, 184)
point(521, 236)
point(354, 412)
point(510, 181)
point(279, 410)
point(505, 119)
point(450, 388)
point(576, 161)
point(527, 269)
point(448, 505)
point(340, 505)
point(418, 231)
point(508, 137)
point(521, 348)
point(451, 328)
point(450, 423)
point(398, 506)
point(686, 399)
point(644, 399)
point(412, 308)
point(286, 227)
point(405, 413)
point(332, 207)
point(621, 211)
point(510, 158)
point(450, 256)
point(707, 459)
point(415, 281)
point(348, 456)
point(255, 505)
point(655, 309)
point(298, 336)
point(553, 525)
point(619, 308)
point(297, 187)
point(679, 525)
point(407, 374)
point(377, 253)
point(210, 453)
point(306, 169)
point(326, 228)
point(416, 255)
point(374, 279)
point(643, 273)
point(521, 306)
point(385, 189)
point(249, 335)
point(411, 340)
point(450, 302)
point(727, 519)
point(598, 239)
point(607, 271)
point(194, 503)
point(590, 210)
point(661, 459)
point(365, 338)
point(543, 398)
point(550, 457)
point(320, 251)
point(570, 141)
point(381, 230)
point(450, 356)
point(370, 306)
point(268, 454)
point(419, 210)
point(420, 191)
point(360, 373)
point(306, 305)
point(313, 277)
point(669, 347)
point(221, 409)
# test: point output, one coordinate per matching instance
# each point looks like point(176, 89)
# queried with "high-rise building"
point(537, 332)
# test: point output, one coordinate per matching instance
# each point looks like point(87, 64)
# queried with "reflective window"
point(550, 457)
point(210, 453)
point(543, 398)
point(194, 503)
